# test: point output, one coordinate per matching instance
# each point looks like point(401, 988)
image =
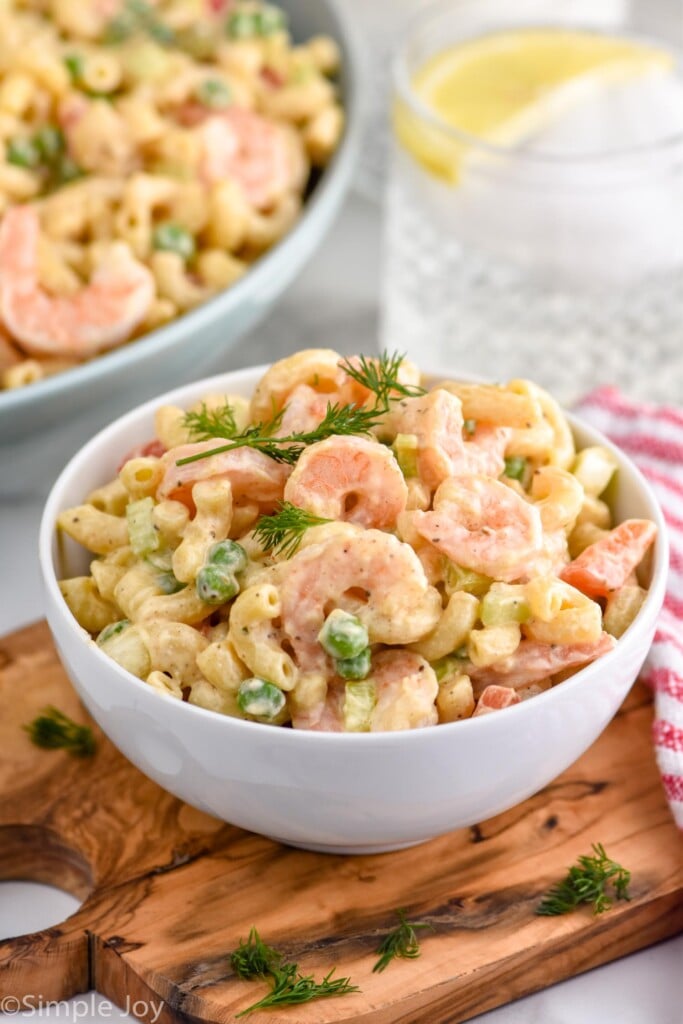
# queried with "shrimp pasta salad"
point(350, 551)
point(150, 150)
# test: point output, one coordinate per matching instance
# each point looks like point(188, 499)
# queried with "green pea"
point(23, 153)
point(214, 93)
point(260, 698)
point(216, 585)
point(343, 635)
point(49, 141)
point(112, 630)
point(470, 426)
point(228, 553)
point(170, 237)
point(515, 467)
point(354, 668)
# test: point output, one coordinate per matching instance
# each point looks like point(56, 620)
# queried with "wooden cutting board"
point(168, 892)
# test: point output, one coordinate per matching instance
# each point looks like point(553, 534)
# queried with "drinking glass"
point(562, 264)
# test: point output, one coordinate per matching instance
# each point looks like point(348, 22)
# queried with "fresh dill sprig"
point(282, 532)
point(401, 942)
point(288, 448)
point(53, 730)
point(380, 376)
point(291, 988)
point(207, 423)
point(253, 958)
point(586, 882)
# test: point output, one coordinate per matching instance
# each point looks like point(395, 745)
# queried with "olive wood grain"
point(168, 892)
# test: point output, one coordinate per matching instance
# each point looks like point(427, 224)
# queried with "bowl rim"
point(644, 622)
point(329, 190)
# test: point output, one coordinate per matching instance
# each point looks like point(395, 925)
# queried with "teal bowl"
point(42, 424)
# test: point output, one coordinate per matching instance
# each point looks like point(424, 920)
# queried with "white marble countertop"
point(333, 304)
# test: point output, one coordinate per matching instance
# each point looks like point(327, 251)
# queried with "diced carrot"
point(494, 698)
point(604, 566)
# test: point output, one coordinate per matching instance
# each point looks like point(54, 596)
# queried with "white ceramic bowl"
point(43, 424)
point(342, 793)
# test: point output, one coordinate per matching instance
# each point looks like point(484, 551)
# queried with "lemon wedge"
point(502, 88)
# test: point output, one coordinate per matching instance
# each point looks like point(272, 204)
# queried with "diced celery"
point(23, 153)
point(405, 449)
point(66, 170)
point(214, 93)
point(242, 25)
point(112, 630)
point(74, 65)
point(270, 19)
point(359, 703)
point(170, 237)
point(515, 467)
point(142, 533)
point(50, 142)
point(449, 666)
point(126, 647)
point(504, 603)
point(457, 578)
point(145, 61)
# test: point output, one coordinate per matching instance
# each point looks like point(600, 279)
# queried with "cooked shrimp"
point(437, 422)
point(305, 410)
point(318, 368)
point(327, 715)
point(372, 575)
point(484, 453)
point(533, 661)
point(349, 478)
point(252, 474)
point(406, 690)
point(264, 158)
point(99, 316)
point(483, 525)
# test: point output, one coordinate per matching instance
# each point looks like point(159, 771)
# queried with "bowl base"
point(361, 848)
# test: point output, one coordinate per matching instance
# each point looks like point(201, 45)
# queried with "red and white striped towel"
point(653, 437)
